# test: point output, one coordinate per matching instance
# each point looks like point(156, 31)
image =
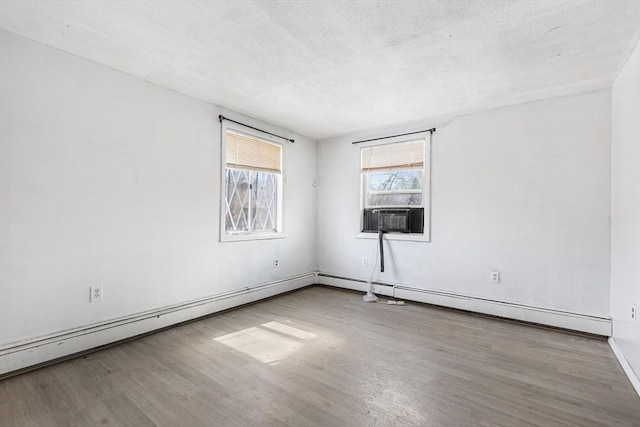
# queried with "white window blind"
point(405, 155)
point(246, 152)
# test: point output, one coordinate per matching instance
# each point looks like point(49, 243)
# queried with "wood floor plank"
point(23, 412)
point(323, 357)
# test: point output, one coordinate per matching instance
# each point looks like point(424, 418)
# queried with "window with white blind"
point(252, 181)
point(393, 174)
point(396, 175)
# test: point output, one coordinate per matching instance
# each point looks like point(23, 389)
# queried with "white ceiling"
point(329, 68)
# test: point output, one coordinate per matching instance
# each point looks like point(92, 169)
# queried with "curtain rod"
point(432, 130)
point(221, 118)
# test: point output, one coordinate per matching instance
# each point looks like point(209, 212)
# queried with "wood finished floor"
point(321, 356)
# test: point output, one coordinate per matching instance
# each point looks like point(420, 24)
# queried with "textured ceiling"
point(329, 68)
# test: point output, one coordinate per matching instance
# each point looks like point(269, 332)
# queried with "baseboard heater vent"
point(40, 351)
point(579, 322)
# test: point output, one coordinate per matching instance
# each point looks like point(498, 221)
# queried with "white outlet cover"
point(95, 293)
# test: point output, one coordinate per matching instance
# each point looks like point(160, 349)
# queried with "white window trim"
point(426, 190)
point(264, 235)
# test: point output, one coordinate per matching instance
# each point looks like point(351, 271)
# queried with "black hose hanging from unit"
point(380, 233)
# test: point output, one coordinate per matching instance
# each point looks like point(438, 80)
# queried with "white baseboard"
point(24, 354)
point(633, 377)
point(557, 318)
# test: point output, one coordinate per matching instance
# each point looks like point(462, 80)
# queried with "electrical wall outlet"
point(495, 277)
point(365, 261)
point(95, 293)
point(633, 311)
point(276, 263)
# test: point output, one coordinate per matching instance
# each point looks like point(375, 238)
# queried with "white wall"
point(108, 180)
point(523, 190)
point(625, 210)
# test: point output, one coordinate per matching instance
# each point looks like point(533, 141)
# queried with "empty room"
point(320, 213)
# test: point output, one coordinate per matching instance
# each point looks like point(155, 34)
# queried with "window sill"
point(407, 237)
point(250, 236)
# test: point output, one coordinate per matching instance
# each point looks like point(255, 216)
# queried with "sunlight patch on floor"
point(289, 330)
point(269, 343)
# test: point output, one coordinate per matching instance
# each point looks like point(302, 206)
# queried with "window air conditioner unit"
point(405, 220)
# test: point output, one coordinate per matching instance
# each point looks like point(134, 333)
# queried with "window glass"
point(398, 188)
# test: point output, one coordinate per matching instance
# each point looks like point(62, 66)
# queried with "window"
point(393, 174)
point(396, 175)
point(252, 190)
